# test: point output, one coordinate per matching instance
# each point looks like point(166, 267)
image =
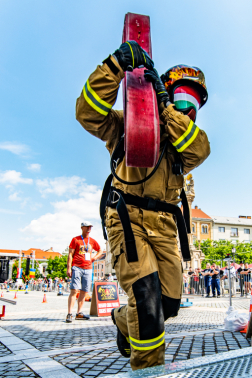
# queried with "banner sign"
point(32, 273)
point(105, 297)
point(19, 272)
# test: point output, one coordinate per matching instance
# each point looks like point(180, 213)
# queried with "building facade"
point(232, 229)
point(9, 256)
point(202, 225)
point(99, 266)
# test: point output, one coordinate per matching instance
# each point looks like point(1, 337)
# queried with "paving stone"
point(80, 371)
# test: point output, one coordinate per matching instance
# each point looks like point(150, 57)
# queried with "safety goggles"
point(187, 100)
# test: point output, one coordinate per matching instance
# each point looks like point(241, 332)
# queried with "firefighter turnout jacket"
point(154, 282)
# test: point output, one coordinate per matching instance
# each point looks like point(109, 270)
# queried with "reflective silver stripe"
point(147, 345)
point(95, 102)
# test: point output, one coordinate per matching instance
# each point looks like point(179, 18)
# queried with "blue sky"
point(51, 170)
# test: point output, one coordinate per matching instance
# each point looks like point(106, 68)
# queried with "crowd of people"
point(214, 281)
point(48, 284)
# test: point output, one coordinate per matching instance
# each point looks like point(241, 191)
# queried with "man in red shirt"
point(79, 268)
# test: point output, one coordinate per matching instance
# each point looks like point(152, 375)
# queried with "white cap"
point(86, 224)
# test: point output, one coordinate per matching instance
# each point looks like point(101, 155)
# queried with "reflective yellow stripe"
point(144, 58)
point(184, 135)
point(131, 54)
point(187, 138)
point(147, 341)
point(147, 344)
point(95, 101)
point(189, 141)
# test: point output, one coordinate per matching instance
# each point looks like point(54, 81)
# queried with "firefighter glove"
point(162, 96)
point(130, 55)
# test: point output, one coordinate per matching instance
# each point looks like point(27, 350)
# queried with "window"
point(204, 229)
point(221, 229)
point(234, 231)
point(246, 231)
point(193, 227)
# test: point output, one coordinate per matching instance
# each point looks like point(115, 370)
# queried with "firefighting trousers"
point(153, 285)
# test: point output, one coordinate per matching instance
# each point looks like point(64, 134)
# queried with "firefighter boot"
point(122, 341)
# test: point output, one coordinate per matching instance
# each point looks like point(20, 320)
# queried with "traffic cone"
point(15, 296)
point(250, 310)
point(2, 294)
point(44, 299)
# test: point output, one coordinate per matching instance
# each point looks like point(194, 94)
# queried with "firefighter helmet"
point(188, 76)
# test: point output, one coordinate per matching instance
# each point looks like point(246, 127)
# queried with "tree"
point(57, 267)
point(216, 251)
point(23, 265)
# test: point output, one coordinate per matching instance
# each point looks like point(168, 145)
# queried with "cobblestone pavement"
point(4, 351)
point(48, 333)
point(16, 370)
point(237, 303)
point(109, 362)
point(41, 333)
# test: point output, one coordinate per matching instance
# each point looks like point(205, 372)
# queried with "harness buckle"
point(112, 197)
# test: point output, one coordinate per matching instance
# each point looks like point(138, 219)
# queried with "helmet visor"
point(186, 98)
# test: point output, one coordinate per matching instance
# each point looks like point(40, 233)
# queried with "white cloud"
point(14, 147)
point(13, 178)
point(63, 186)
point(14, 197)
point(59, 227)
point(34, 167)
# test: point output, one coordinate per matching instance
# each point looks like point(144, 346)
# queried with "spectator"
point(222, 289)
point(49, 284)
point(185, 281)
point(207, 279)
point(79, 268)
point(196, 281)
point(246, 272)
point(241, 278)
point(215, 274)
point(191, 280)
point(232, 278)
point(201, 282)
point(110, 278)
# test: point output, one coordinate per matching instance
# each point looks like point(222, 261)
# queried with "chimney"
point(196, 207)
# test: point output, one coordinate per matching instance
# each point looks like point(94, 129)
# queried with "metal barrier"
point(198, 285)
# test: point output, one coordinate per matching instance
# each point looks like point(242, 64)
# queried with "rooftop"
point(39, 253)
point(232, 220)
point(198, 213)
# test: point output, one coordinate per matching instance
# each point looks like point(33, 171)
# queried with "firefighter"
point(148, 268)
